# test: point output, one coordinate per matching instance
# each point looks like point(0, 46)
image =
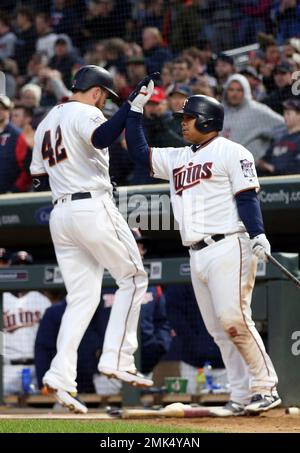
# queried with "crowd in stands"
point(43, 43)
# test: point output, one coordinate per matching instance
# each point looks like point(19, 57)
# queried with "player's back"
point(63, 149)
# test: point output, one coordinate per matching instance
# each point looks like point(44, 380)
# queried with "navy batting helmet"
point(93, 76)
point(208, 111)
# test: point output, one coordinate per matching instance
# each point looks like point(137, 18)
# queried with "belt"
point(78, 196)
point(201, 244)
point(22, 362)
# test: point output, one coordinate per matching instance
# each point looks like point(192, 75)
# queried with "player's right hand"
point(260, 246)
point(137, 105)
point(144, 82)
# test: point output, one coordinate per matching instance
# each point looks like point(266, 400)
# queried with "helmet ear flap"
point(202, 124)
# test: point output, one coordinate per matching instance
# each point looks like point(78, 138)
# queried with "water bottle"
point(200, 381)
point(26, 380)
point(207, 370)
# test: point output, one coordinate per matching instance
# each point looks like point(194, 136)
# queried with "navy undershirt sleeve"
point(250, 213)
point(109, 131)
point(136, 142)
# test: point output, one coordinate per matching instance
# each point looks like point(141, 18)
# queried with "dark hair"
point(183, 60)
point(28, 111)
point(27, 12)
point(4, 19)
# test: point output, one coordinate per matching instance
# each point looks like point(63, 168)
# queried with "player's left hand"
point(260, 246)
point(137, 105)
point(144, 82)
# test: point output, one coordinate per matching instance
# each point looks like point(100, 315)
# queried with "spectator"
point(26, 38)
point(288, 20)
point(22, 312)
point(255, 17)
point(283, 156)
point(14, 149)
point(21, 116)
point(222, 16)
point(176, 99)
point(282, 92)
point(46, 36)
point(166, 76)
point(181, 72)
point(65, 60)
point(247, 121)
point(182, 24)
point(102, 21)
point(136, 70)
point(156, 55)
point(66, 19)
point(255, 81)
point(7, 38)
point(224, 68)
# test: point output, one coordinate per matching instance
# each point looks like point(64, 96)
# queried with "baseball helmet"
point(20, 258)
point(208, 111)
point(90, 76)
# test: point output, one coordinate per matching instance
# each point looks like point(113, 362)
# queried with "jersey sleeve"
point(87, 122)
point(160, 162)
point(37, 167)
point(242, 171)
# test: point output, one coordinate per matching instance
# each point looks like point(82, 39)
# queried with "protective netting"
point(197, 45)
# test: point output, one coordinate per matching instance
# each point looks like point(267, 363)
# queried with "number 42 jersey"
point(63, 149)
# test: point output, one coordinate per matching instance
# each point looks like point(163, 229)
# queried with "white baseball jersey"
point(64, 150)
point(203, 185)
point(21, 317)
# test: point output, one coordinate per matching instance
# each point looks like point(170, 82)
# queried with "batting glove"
point(260, 246)
point(144, 82)
point(137, 105)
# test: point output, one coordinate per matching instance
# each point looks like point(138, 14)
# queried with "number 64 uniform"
point(89, 235)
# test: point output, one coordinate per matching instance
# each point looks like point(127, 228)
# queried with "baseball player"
point(213, 186)
point(88, 232)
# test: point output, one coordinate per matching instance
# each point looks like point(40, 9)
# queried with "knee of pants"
point(233, 324)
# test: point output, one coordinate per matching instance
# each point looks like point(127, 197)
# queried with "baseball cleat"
point(232, 409)
point(135, 379)
point(262, 403)
point(66, 399)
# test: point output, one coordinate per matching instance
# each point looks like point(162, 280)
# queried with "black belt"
point(78, 196)
point(201, 244)
point(22, 362)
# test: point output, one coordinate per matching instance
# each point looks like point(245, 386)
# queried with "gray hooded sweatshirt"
point(250, 123)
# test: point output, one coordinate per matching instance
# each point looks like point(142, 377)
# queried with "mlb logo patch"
point(247, 168)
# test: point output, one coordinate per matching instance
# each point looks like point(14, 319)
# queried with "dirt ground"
point(275, 421)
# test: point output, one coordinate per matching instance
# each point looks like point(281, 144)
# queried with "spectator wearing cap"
point(136, 70)
point(247, 121)
point(255, 81)
point(4, 257)
point(7, 38)
point(65, 59)
point(283, 156)
point(283, 90)
point(176, 98)
point(26, 38)
point(156, 55)
point(13, 153)
point(22, 312)
point(224, 68)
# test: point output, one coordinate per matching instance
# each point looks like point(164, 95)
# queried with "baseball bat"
point(175, 410)
point(283, 269)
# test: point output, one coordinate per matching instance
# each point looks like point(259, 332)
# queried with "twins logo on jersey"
point(188, 176)
point(14, 321)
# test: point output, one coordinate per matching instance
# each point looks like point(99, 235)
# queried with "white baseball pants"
point(90, 235)
point(223, 276)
